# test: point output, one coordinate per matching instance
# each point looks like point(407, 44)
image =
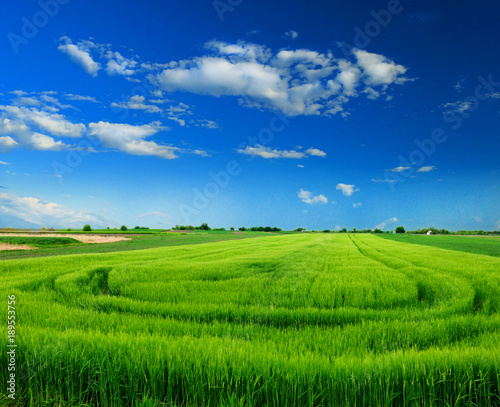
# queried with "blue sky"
point(238, 113)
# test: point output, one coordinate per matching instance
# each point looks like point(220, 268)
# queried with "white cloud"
point(315, 152)
point(181, 122)
point(291, 34)
point(453, 108)
point(137, 103)
point(459, 86)
point(7, 143)
point(130, 139)
point(43, 213)
point(153, 214)
point(378, 70)
point(308, 198)
point(209, 124)
point(80, 56)
point(383, 180)
point(383, 224)
point(118, 65)
point(295, 82)
point(70, 96)
point(477, 219)
point(399, 169)
point(427, 168)
point(268, 152)
point(4, 163)
point(53, 124)
point(356, 205)
point(85, 51)
point(300, 166)
point(347, 190)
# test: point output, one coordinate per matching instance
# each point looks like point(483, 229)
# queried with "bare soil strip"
point(8, 246)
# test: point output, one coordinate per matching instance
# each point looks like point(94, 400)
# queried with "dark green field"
point(139, 241)
point(36, 241)
point(470, 244)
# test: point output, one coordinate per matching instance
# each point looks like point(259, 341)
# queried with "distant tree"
point(343, 230)
point(242, 229)
point(231, 228)
point(204, 226)
point(400, 229)
point(107, 227)
point(268, 229)
point(275, 229)
point(87, 228)
point(123, 228)
point(377, 230)
point(326, 231)
point(299, 229)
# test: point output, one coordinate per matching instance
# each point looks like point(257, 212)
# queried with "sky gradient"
point(347, 114)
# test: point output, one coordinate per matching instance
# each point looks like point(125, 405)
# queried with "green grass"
point(489, 245)
point(137, 242)
point(38, 241)
point(283, 320)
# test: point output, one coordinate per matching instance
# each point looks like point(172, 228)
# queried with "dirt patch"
point(81, 238)
point(8, 246)
point(237, 233)
point(179, 231)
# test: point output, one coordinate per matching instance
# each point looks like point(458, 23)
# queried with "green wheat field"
point(311, 319)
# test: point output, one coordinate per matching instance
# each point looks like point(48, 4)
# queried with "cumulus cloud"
point(35, 129)
point(347, 190)
point(378, 70)
point(7, 143)
point(383, 224)
point(80, 56)
point(315, 152)
point(291, 34)
point(295, 82)
point(40, 212)
point(356, 205)
point(130, 139)
point(86, 52)
point(399, 169)
point(137, 102)
point(51, 123)
point(308, 198)
point(268, 152)
point(427, 168)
